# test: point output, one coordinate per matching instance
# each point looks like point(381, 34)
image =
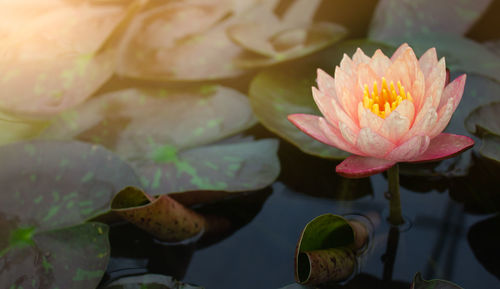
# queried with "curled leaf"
point(326, 250)
point(163, 217)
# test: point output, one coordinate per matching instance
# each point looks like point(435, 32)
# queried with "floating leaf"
point(419, 283)
point(180, 41)
point(484, 119)
point(278, 39)
point(53, 62)
point(73, 257)
point(490, 147)
point(163, 217)
point(408, 18)
point(161, 132)
point(279, 91)
point(16, 129)
point(139, 121)
point(149, 281)
point(296, 42)
point(51, 187)
point(326, 249)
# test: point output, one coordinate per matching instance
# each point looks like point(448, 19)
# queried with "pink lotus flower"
point(386, 110)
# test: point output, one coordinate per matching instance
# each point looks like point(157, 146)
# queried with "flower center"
point(383, 102)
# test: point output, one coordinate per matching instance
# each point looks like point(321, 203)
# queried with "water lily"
point(386, 110)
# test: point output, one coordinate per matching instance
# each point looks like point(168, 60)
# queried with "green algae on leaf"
point(279, 91)
point(71, 257)
point(241, 166)
point(420, 283)
point(163, 217)
point(326, 250)
point(408, 18)
point(169, 136)
point(48, 194)
point(149, 281)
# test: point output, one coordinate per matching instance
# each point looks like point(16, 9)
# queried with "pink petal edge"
point(360, 167)
point(444, 146)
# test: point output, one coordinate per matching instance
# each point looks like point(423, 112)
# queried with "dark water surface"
point(440, 241)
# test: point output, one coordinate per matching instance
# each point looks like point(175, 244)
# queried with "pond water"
point(187, 101)
point(443, 240)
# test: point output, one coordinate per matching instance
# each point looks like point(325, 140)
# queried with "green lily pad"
point(326, 249)
point(395, 18)
point(52, 188)
point(163, 217)
point(484, 119)
point(420, 283)
point(241, 166)
point(169, 135)
point(149, 281)
point(46, 70)
point(490, 147)
point(279, 91)
point(181, 41)
point(72, 257)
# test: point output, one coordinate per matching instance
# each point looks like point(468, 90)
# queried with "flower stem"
point(395, 216)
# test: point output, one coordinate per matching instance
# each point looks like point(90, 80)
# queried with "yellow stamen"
point(375, 109)
point(385, 101)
